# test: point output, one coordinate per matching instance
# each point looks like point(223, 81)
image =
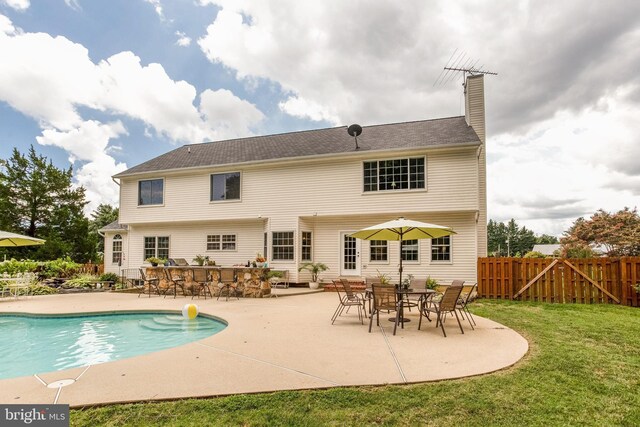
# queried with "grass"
point(583, 368)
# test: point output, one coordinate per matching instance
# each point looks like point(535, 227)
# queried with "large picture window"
point(378, 251)
point(225, 186)
point(441, 249)
point(221, 242)
point(410, 250)
point(116, 246)
point(306, 246)
point(397, 174)
point(156, 246)
point(282, 245)
point(150, 192)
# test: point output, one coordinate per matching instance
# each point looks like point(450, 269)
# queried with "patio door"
point(349, 255)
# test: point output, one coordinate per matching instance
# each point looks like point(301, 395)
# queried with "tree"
point(546, 239)
point(618, 233)
point(509, 239)
point(103, 215)
point(39, 200)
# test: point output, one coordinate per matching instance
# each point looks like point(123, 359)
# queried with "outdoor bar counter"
point(251, 282)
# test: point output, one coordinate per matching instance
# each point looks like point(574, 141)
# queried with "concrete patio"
point(284, 343)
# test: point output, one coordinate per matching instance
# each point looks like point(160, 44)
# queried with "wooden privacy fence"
point(582, 281)
point(91, 268)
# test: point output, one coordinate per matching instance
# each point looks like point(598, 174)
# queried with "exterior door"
point(350, 255)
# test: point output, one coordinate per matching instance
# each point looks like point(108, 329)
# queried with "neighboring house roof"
point(332, 141)
point(115, 226)
point(548, 249)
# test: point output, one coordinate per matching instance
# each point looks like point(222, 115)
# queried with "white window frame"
point(274, 246)
point(373, 261)
point(408, 159)
point(303, 246)
point(221, 242)
point(416, 261)
point(156, 249)
point(450, 260)
point(116, 239)
point(164, 187)
point(239, 199)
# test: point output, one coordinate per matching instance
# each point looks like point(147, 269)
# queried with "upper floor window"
point(306, 246)
point(221, 242)
point(116, 252)
point(225, 186)
point(378, 250)
point(282, 245)
point(150, 192)
point(397, 174)
point(441, 249)
point(410, 250)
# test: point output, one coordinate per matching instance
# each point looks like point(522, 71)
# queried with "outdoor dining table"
point(401, 293)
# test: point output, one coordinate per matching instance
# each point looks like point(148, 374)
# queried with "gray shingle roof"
point(114, 226)
point(336, 141)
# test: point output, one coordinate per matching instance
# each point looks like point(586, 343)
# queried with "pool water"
point(31, 344)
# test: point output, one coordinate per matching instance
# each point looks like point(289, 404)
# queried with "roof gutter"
point(303, 159)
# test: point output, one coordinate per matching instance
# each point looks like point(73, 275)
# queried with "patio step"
point(355, 286)
point(174, 323)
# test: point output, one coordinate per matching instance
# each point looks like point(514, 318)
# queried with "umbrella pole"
point(400, 282)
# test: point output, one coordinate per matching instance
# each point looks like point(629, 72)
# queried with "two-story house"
point(296, 197)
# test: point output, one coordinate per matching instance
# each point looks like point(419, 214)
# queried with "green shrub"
point(108, 277)
point(431, 283)
point(13, 267)
point(61, 267)
point(534, 254)
point(80, 281)
point(42, 290)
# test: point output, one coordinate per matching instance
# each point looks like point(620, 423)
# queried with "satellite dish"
point(354, 130)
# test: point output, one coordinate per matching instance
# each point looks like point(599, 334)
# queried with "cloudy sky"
point(106, 85)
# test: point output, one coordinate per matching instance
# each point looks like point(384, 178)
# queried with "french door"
point(349, 255)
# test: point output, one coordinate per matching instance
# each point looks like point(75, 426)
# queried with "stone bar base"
point(250, 282)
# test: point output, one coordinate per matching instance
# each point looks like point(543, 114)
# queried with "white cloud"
point(19, 5)
point(51, 79)
point(227, 115)
point(157, 6)
point(183, 40)
point(73, 4)
point(556, 114)
point(567, 167)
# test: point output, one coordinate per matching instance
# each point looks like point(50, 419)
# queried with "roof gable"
point(332, 141)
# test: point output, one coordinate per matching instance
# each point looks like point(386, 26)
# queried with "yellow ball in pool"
point(189, 311)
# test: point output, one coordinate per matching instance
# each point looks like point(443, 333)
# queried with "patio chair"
point(176, 278)
point(469, 293)
point(347, 300)
point(201, 281)
point(150, 283)
point(368, 293)
point(385, 298)
point(227, 283)
point(414, 300)
point(447, 304)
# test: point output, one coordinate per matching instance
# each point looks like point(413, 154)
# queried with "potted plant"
point(431, 283)
point(314, 268)
point(201, 260)
point(155, 261)
point(384, 278)
point(260, 260)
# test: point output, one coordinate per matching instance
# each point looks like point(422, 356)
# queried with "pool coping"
point(268, 345)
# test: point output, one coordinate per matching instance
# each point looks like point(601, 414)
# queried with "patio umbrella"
point(12, 239)
point(403, 229)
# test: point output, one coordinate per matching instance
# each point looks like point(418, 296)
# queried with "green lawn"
point(583, 368)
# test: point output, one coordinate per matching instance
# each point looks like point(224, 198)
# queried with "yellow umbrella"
point(403, 229)
point(12, 239)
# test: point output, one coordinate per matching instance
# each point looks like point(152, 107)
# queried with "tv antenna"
point(355, 130)
point(460, 62)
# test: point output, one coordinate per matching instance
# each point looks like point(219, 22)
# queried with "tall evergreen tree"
point(509, 239)
point(39, 200)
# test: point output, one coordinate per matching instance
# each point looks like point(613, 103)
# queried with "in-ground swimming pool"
point(36, 344)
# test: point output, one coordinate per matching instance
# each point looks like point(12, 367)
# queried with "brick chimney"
point(474, 104)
